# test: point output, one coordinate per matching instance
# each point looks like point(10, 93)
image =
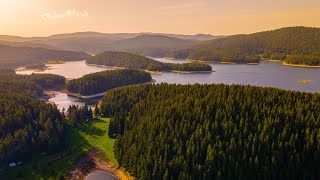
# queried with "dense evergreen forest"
point(274, 56)
point(215, 131)
point(285, 41)
point(47, 81)
point(44, 81)
point(129, 60)
point(27, 125)
point(18, 85)
point(303, 59)
point(224, 56)
point(102, 81)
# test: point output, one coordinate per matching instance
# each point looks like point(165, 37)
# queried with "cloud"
point(195, 5)
point(67, 13)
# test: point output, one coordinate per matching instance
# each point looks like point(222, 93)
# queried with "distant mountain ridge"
point(290, 40)
point(95, 42)
point(20, 56)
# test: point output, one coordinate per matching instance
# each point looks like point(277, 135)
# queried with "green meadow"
point(87, 136)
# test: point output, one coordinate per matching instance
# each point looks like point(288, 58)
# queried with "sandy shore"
point(92, 161)
point(102, 93)
point(86, 97)
point(191, 72)
point(221, 62)
point(276, 61)
point(305, 81)
point(113, 67)
point(300, 65)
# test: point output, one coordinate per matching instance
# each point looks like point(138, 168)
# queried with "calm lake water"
point(100, 175)
point(265, 74)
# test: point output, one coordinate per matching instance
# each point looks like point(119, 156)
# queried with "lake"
point(264, 74)
point(100, 175)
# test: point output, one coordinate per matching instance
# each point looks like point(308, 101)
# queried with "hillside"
point(21, 56)
point(102, 81)
point(214, 131)
point(27, 44)
point(91, 45)
point(130, 60)
point(288, 41)
point(151, 45)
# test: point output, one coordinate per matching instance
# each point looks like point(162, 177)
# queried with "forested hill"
point(28, 125)
point(21, 56)
point(151, 45)
point(102, 81)
point(130, 60)
point(215, 132)
point(291, 40)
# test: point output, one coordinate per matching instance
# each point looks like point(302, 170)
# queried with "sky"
point(216, 17)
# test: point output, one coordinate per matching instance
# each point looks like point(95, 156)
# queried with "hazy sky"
point(218, 17)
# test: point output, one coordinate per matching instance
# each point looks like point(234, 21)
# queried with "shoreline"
point(92, 161)
point(221, 62)
point(102, 93)
point(300, 65)
point(151, 72)
point(86, 97)
point(275, 61)
point(104, 66)
point(190, 72)
point(304, 81)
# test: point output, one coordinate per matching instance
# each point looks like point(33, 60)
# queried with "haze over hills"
point(21, 56)
point(95, 42)
point(151, 45)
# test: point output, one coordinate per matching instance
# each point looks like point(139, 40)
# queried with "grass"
point(93, 134)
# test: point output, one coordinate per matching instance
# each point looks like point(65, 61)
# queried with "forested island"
point(102, 81)
point(40, 66)
point(301, 43)
point(214, 131)
point(129, 60)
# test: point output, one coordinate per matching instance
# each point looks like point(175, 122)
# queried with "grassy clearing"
point(78, 141)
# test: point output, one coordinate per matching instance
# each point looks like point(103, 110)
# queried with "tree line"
point(102, 81)
point(29, 125)
point(45, 81)
point(129, 60)
point(215, 131)
point(284, 41)
point(303, 59)
point(224, 56)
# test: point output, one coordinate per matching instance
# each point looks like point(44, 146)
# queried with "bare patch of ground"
point(92, 161)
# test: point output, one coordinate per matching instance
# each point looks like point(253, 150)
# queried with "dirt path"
point(92, 161)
